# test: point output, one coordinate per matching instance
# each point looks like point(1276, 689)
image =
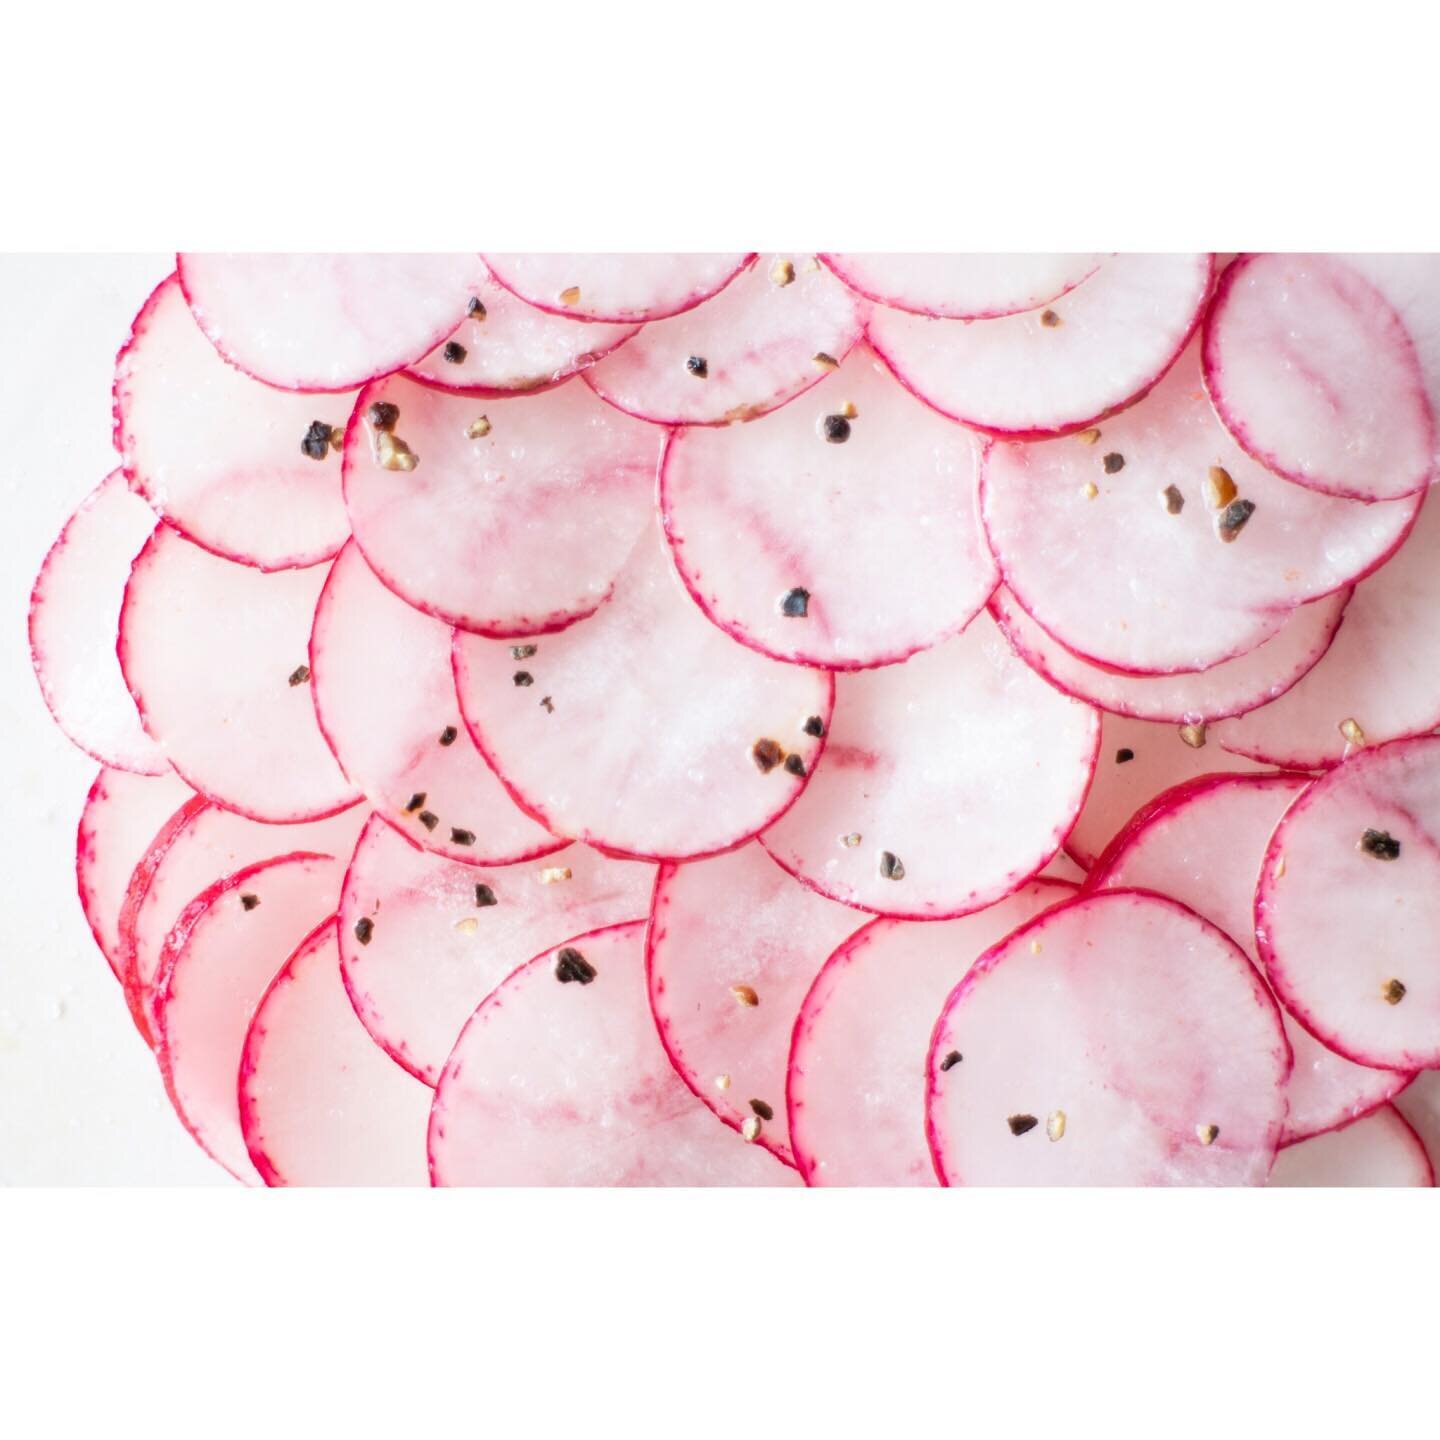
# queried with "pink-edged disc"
point(1419, 1103)
point(1380, 1150)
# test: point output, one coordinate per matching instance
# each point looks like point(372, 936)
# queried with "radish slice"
point(963, 287)
point(319, 1103)
point(1052, 371)
point(1062, 867)
point(74, 612)
point(1379, 1149)
point(742, 354)
point(1419, 1103)
point(1345, 930)
point(1202, 843)
point(385, 699)
point(325, 322)
point(857, 1060)
point(662, 739)
point(1118, 1039)
point(1092, 541)
point(948, 782)
point(621, 289)
point(1313, 373)
point(423, 940)
point(754, 511)
point(214, 654)
point(518, 531)
point(222, 954)
point(723, 932)
point(567, 1084)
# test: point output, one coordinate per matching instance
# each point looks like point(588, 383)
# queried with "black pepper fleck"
point(416, 801)
point(547, 704)
point(1233, 518)
point(837, 429)
point(485, 897)
point(796, 604)
point(1174, 500)
point(364, 929)
point(814, 726)
point(1021, 1124)
point(475, 309)
point(1124, 755)
point(454, 353)
point(570, 965)
point(698, 367)
point(383, 415)
point(523, 678)
point(951, 1060)
point(766, 755)
point(449, 735)
point(1381, 844)
point(249, 902)
point(764, 1111)
point(794, 764)
point(299, 675)
point(428, 819)
point(890, 866)
point(1049, 319)
point(316, 443)
point(1114, 463)
point(461, 837)
point(522, 652)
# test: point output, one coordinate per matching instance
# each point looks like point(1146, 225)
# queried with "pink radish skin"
point(1380, 1150)
point(1419, 1103)
point(755, 510)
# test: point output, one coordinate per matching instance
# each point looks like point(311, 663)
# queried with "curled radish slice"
point(733, 945)
point(560, 1079)
point(1313, 373)
point(1048, 372)
point(215, 655)
point(1117, 1039)
point(755, 512)
point(509, 517)
point(423, 940)
point(763, 340)
point(1379, 1149)
point(948, 782)
point(857, 1060)
point(74, 612)
point(645, 730)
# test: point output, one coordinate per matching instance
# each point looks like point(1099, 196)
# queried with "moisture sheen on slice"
point(518, 511)
point(880, 530)
point(423, 940)
point(947, 782)
point(1379, 1149)
point(1118, 1039)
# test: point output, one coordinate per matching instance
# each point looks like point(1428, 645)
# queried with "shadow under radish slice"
point(215, 655)
point(559, 1078)
point(755, 512)
point(74, 613)
point(320, 1102)
point(1053, 371)
point(857, 1059)
point(424, 940)
point(947, 782)
point(1117, 1039)
point(733, 945)
point(508, 516)
point(1378, 1150)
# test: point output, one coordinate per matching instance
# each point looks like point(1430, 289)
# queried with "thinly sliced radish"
point(1118, 1039)
point(385, 698)
point(1379, 1149)
point(1063, 867)
point(560, 1079)
point(215, 655)
point(1115, 548)
point(645, 730)
point(325, 322)
point(320, 1104)
point(74, 612)
point(733, 945)
point(856, 1091)
point(1202, 843)
point(621, 289)
point(948, 782)
point(1419, 1103)
point(518, 512)
point(1349, 904)
point(755, 511)
point(1313, 373)
point(1048, 372)
point(759, 343)
point(423, 940)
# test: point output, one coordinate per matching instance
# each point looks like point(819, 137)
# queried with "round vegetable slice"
point(1419, 1103)
point(755, 512)
point(948, 782)
point(1379, 1149)
point(1118, 1039)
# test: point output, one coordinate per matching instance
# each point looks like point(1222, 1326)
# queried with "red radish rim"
point(578, 366)
point(1414, 1135)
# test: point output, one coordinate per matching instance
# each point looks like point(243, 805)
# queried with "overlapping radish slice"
point(755, 512)
point(1379, 1149)
point(559, 1078)
point(325, 322)
point(1419, 1103)
point(1348, 906)
point(74, 611)
point(385, 698)
point(1202, 844)
point(424, 940)
point(1116, 548)
point(518, 511)
point(621, 289)
point(233, 464)
point(857, 1061)
point(1048, 372)
point(1313, 373)
point(733, 945)
point(320, 1104)
point(763, 340)
point(947, 782)
point(1118, 1039)
point(645, 730)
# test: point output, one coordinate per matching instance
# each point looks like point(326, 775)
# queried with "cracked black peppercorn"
point(249, 902)
point(762, 1109)
point(1381, 844)
point(1114, 463)
point(383, 415)
point(570, 965)
point(1234, 517)
point(951, 1060)
point(698, 367)
point(794, 764)
point(523, 678)
point(454, 353)
point(316, 443)
point(429, 819)
point(364, 929)
point(416, 801)
point(485, 896)
point(837, 429)
point(299, 675)
point(475, 309)
point(814, 726)
point(1021, 1124)
point(796, 603)
point(766, 755)
point(448, 735)
point(890, 866)
point(1124, 755)
point(461, 837)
